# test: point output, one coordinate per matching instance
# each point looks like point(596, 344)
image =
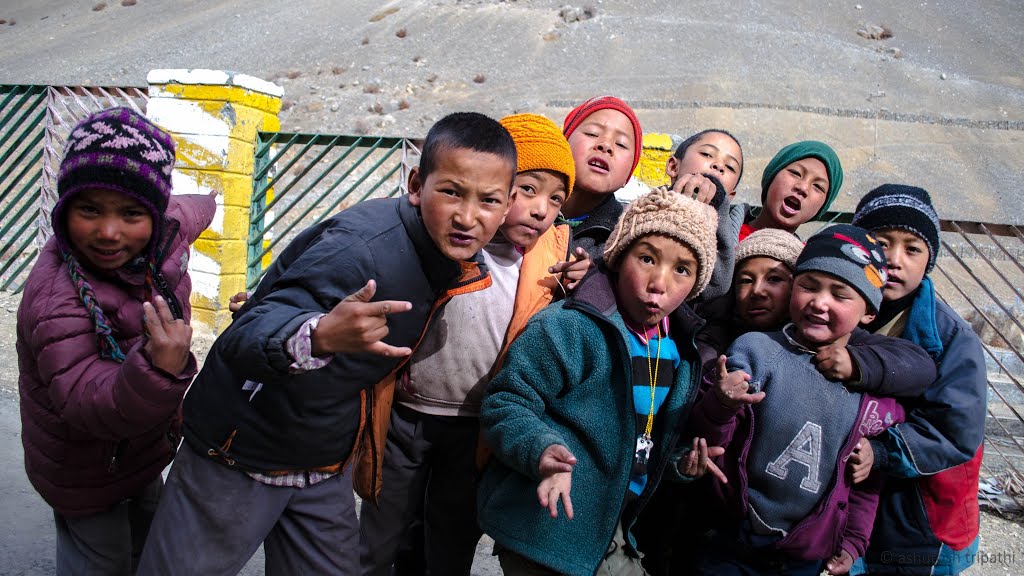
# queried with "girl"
point(103, 339)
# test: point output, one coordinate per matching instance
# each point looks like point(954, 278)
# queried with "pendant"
point(644, 443)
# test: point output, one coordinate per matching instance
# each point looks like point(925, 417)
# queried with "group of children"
point(483, 355)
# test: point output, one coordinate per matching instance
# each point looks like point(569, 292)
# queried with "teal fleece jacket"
point(567, 381)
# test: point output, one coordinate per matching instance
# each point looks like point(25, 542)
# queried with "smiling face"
point(763, 286)
point(107, 229)
point(713, 153)
point(907, 257)
point(655, 276)
point(825, 310)
point(602, 149)
point(537, 198)
point(796, 194)
point(463, 200)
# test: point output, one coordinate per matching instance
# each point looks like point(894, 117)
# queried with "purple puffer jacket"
point(843, 518)
point(95, 431)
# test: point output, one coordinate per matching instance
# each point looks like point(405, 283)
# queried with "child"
point(763, 281)
point(606, 141)
point(786, 453)
point(301, 382)
point(103, 339)
point(928, 512)
point(429, 460)
point(585, 408)
point(798, 185)
point(712, 151)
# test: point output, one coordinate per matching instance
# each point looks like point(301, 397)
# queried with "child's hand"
point(861, 460)
point(572, 271)
point(236, 301)
point(840, 563)
point(698, 461)
point(696, 186)
point(555, 487)
point(834, 362)
point(555, 458)
point(169, 340)
point(358, 325)
point(732, 388)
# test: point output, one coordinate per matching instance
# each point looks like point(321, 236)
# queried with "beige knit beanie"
point(677, 216)
point(770, 243)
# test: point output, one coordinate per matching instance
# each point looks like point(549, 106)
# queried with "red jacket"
point(95, 430)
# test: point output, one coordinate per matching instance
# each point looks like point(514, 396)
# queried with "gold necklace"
point(652, 375)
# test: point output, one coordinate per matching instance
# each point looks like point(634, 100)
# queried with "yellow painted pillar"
point(657, 149)
point(214, 117)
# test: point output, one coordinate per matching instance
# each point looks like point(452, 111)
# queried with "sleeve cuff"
point(299, 348)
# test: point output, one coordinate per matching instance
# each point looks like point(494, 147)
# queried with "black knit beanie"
point(851, 254)
point(903, 208)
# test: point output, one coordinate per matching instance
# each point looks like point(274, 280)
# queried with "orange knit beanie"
point(540, 145)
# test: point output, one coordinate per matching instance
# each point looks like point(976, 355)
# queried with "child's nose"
point(108, 229)
point(539, 210)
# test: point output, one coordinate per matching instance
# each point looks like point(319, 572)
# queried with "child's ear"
point(415, 186)
point(867, 319)
point(672, 167)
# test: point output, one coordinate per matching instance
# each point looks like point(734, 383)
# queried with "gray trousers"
point(110, 542)
point(211, 519)
point(429, 470)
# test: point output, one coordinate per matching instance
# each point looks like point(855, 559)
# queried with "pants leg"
point(452, 530)
point(143, 508)
point(383, 528)
point(616, 562)
point(210, 519)
point(317, 532)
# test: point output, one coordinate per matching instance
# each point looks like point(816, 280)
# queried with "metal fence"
point(300, 179)
point(34, 125)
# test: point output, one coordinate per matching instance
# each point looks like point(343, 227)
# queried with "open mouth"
point(458, 239)
point(598, 163)
point(791, 206)
point(103, 254)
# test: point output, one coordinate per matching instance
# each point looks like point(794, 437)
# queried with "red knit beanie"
point(580, 113)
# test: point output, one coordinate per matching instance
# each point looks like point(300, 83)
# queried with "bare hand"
point(554, 488)
point(696, 186)
point(214, 193)
point(861, 460)
point(834, 362)
point(169, 340)
point(732, 388)
point(555, 458)
point(572, 271)
point(236, 301)
point(698, 461)
point(840, 563)
point(358, 325)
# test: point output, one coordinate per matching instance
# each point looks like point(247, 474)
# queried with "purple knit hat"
point(116, 149)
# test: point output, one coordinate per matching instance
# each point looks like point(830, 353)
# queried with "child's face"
point(907, 257)
point(763, 287)
point(602, 149)
point(107, 229)
point(713, 153)
point(796, 193)
point(656, 275)
point(825, 310)
point(464, 200)
point(537, 198)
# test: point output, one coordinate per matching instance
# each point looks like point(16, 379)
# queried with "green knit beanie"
point(799, 151)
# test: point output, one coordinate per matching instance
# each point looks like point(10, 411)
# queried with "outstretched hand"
point(698, 461)
point(732, 388)
point(555, 469)
point(170, 339)
point(358, 325)
point(573, 270)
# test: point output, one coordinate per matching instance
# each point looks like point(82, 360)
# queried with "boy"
point(429, 460)
point(763, 280)
point(798, 185)
point(584, 406)
point(283, 402)
point(927, 519)
point(606, 141)
point(789, 429)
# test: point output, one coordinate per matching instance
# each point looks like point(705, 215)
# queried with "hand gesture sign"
point(698, 461)
point(572, 271)
point(358, 325)
point(169, 338)
point(732, 388)
point(555, 468)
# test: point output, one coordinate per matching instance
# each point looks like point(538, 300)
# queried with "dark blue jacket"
point(245, 407)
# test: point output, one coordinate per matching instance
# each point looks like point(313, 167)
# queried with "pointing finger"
point(163, 309)
point(153, 324)
point(387, 307)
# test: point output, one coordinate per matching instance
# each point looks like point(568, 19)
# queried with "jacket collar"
point(441, 271)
